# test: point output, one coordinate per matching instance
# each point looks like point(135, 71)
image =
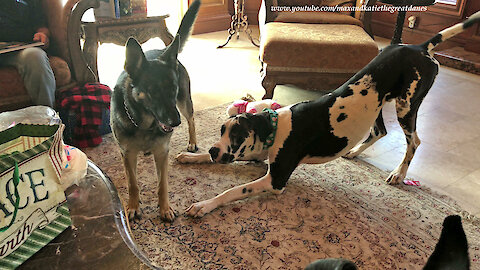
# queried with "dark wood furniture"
point(397, 34)
point(212, 16)
point(428, 23)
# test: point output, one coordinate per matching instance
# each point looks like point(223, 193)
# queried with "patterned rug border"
point(245, 235)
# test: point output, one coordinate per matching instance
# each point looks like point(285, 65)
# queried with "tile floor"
point(448, 159)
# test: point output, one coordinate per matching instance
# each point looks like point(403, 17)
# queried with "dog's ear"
point(260, 123)
point(451, 251)
point(135, 59)
point(171, 52)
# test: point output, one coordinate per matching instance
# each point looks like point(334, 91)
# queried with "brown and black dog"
point(144, 109)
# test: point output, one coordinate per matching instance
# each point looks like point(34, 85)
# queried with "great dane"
point(332, 126)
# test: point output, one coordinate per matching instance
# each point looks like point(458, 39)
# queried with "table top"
point(127, 20)
point(98, 238)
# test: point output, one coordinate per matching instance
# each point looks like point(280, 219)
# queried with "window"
point(448, 2)
point(452, 8)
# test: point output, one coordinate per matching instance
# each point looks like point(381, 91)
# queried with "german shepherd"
point(144, 110)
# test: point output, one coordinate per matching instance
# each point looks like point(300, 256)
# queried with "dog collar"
point(274, 121)
point(151, 128)
point(128, 114)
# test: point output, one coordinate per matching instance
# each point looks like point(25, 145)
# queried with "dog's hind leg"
point(129, 159)
point(407, 117)
point(185, 106)
point(161, 162)
point(377, 131)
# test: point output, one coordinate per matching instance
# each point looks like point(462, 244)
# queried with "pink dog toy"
point(243, 106)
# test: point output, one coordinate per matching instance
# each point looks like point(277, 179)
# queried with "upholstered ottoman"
point(300, 53)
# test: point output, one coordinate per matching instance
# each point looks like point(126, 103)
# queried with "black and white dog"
point(331, 126)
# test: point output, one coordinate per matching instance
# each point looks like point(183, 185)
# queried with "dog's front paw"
point(134, 214)
point(192, 147)
point(133, 209)
point(185, 157)
point(199, 209)
point(167, 214)
point(351, 155)
point(395, 177)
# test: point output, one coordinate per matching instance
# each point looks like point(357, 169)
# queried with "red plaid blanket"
point(87, 101)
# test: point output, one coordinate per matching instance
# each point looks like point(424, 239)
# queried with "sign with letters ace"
point(32, 201)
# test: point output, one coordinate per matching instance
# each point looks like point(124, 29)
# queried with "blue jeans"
point(36, 72)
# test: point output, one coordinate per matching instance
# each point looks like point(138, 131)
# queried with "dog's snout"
point(214, 152)
point(226, 158)
point(174, 119)
point(175, 123)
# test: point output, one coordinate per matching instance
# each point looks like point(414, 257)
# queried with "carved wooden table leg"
point(82, 71)
point(165, 35)
point(90, 47)
point(268, 84)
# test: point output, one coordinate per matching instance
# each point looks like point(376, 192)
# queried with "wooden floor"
point(448, 159)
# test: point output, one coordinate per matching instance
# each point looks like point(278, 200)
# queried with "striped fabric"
point(38, 239)
point(20, 131)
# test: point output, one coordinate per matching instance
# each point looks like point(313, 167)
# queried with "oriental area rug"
point(339, 209)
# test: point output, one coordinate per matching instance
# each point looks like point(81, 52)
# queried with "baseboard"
point(459, 58)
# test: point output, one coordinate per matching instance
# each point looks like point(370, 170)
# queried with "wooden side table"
point(118, 31)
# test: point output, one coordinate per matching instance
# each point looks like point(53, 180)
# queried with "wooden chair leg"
point(268, 84)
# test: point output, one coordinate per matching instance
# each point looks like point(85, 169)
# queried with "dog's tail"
point(451, 31)
point(186, 26)
point(451, 251)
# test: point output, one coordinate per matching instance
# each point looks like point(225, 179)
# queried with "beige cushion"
point(331, 47)
point(317, 17)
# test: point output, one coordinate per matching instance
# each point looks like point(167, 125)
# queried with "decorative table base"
point(239, 24)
